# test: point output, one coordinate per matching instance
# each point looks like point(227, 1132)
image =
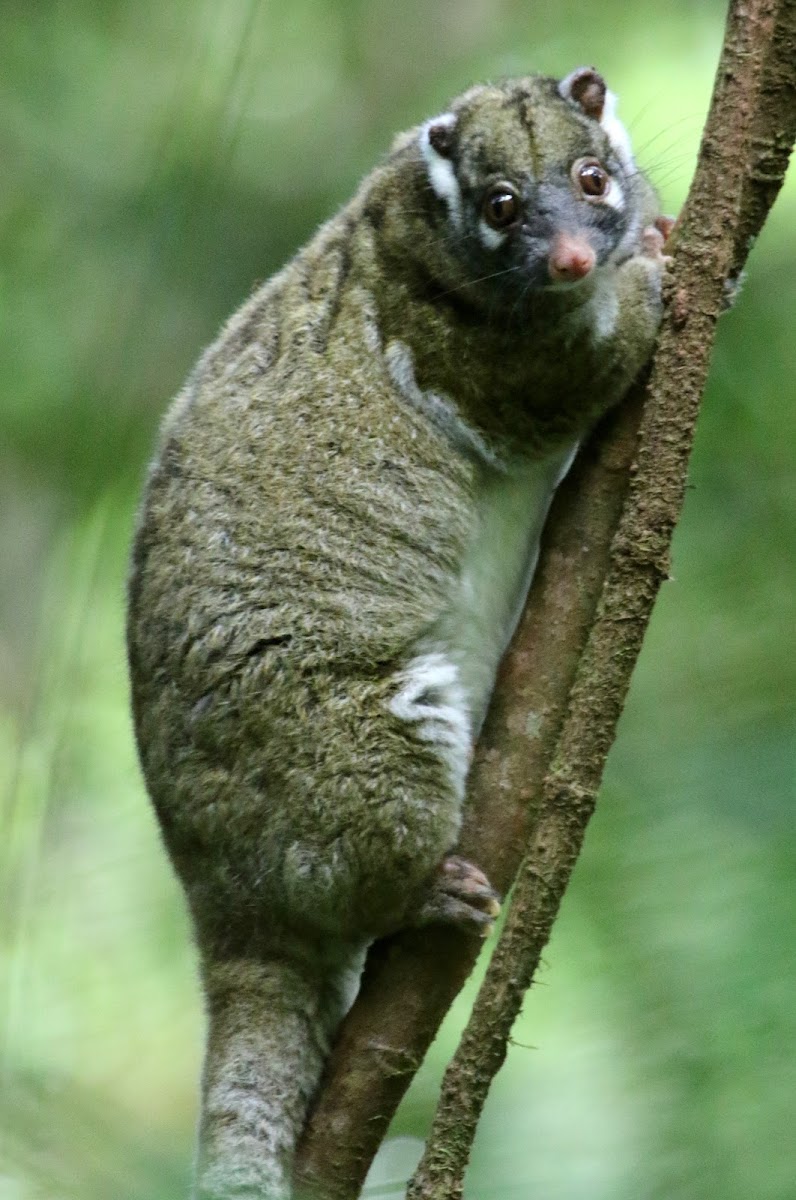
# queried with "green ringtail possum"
point(337, 537)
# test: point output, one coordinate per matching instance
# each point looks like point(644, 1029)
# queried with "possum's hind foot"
point(460, 894)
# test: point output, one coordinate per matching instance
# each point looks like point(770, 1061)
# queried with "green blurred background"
point(157, 160)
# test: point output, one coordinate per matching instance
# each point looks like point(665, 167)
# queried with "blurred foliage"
point(158, 159)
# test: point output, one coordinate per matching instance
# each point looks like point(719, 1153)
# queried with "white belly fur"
point(496, 574)
point(445, 687)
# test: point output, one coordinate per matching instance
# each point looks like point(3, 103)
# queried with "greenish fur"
point(304, 536)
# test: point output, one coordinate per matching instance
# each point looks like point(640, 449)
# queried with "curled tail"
point(270, 1022)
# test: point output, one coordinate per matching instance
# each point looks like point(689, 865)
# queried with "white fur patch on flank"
point(437, 408)
point(363, 299)
point(402, 369)
point(617, 134)
point(372, 336)
point(431, 695)
point(441, 174)
point(493, 239)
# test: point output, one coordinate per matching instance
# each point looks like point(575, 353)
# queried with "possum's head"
point(521, 186)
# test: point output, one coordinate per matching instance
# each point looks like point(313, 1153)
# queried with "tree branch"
point(411, 980)
point(752, 117)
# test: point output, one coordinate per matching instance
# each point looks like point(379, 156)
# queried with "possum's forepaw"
point(665, 224)
point(461, 894)
point(654, 238)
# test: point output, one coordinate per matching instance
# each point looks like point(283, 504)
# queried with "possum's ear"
point(586, 88)
point(440, 133)
point(437, 145)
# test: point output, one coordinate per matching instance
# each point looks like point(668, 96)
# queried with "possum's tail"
point(269, 1025)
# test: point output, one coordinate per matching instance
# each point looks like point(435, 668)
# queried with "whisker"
point(639, 150)
point(633, 121)
point(666, 160)
point(480, 279)
point(669, 178)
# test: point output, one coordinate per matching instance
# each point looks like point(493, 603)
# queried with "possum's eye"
point(501, 206)
point(592, 178)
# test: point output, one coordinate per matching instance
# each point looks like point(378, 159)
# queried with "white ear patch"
point(616, 132)
point(615, 197)
point(586, 88)
point(441, 174)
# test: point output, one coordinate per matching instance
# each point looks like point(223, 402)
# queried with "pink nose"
point(570, 259)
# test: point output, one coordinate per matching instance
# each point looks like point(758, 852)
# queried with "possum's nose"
point(571, 258)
